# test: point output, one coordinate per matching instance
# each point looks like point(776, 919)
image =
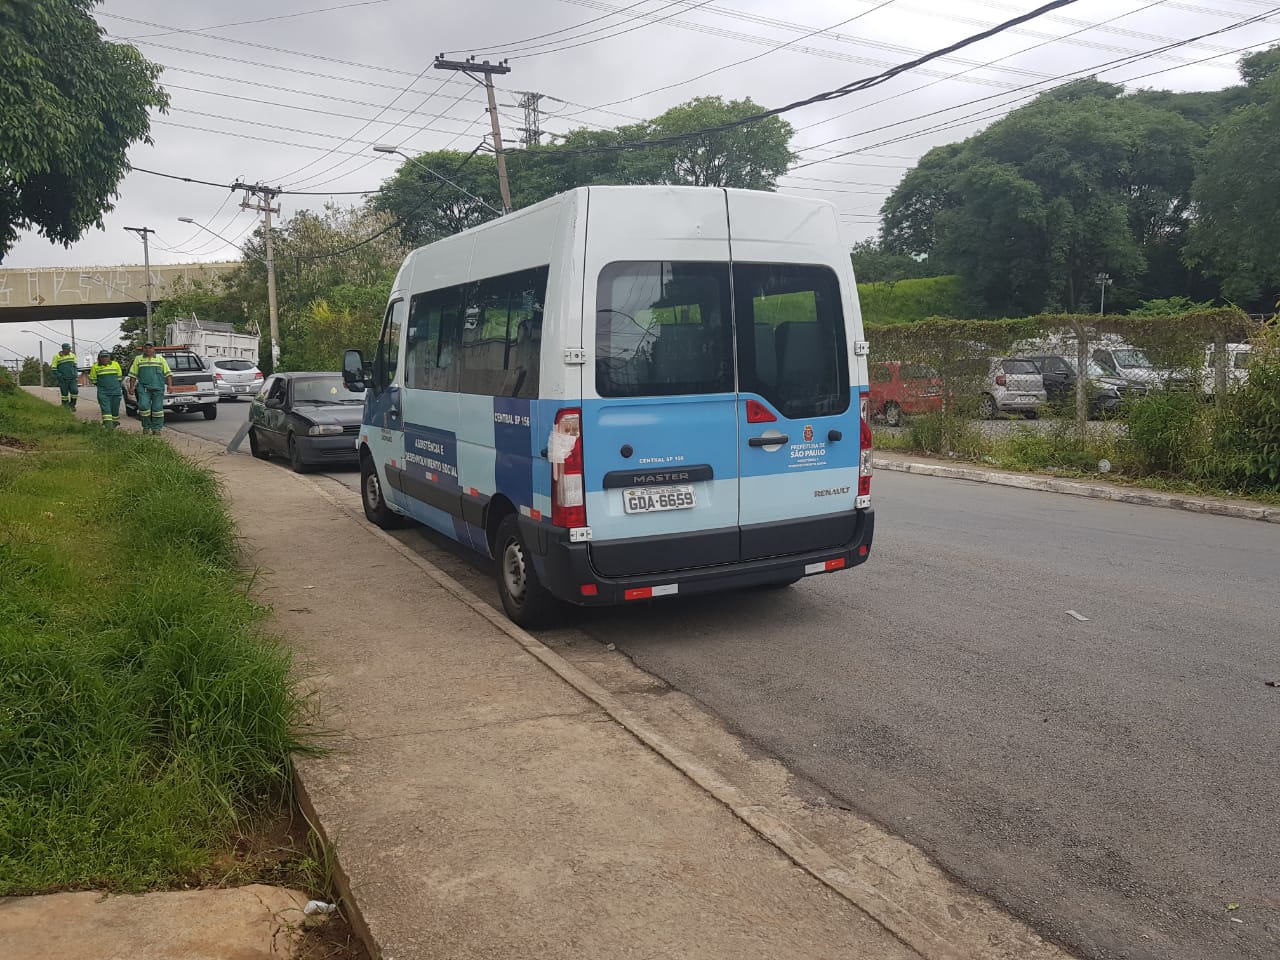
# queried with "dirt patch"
point(14, 445)
point(283, 851)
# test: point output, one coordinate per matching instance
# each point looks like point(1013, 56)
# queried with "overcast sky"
point(299, 100)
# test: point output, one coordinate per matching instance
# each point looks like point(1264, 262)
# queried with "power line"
point(932, 83)
point(738, 63)
point(650, 19)
point(1001, 109)
point(854, 86)
point(242, 23)
point(502, 47)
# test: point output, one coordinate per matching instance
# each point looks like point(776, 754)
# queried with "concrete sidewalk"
point(482, 807)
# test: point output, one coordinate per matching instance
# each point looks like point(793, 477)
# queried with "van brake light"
point(864, 458)
point(757, 412)
point(568, 490)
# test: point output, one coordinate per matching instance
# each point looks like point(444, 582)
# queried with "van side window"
point(387, 360)
point(791, 339)
point(502, 335)
point(663, 329)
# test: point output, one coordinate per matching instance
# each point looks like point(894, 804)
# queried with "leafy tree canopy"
point(71, 104)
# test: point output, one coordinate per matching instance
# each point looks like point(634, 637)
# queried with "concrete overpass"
point(92, 293)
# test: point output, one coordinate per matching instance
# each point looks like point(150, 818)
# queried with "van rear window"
point(663, 329)
point(791, 339)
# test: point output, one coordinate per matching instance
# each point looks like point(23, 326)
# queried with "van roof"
point(577, 193)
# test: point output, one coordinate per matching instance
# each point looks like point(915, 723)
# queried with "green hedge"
point(906, 301)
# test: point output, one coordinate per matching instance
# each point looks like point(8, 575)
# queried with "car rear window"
point(236, 365)
point(1020, 366)
point(183, 362)
point(912, 371)
point(663, 329)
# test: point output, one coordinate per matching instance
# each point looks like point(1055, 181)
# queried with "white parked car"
point(1007, 385)
point(236, 378)
point(1237, 367)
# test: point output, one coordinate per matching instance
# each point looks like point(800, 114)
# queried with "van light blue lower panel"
point(802, 493)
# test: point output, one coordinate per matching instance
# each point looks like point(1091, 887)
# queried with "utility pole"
point(263, 197)
point(1104, 281)
point(143, 232)
point(470, 67)
point(532, 129)
point(42, 364)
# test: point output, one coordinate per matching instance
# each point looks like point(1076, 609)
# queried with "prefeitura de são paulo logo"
point(808, 433)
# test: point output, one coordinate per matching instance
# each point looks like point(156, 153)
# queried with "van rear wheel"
point(527, 602)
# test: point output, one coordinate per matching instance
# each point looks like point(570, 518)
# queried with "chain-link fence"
point(1149, 395)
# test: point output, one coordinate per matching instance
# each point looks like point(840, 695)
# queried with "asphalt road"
point(1114, 781)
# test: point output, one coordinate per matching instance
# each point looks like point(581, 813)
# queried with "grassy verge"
point(1052, 448)
point(144, 718)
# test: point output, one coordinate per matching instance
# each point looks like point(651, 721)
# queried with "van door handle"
point(768, 441)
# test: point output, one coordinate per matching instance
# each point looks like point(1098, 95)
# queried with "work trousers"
point(109, 404)
point(151, 408)
point(69, 387)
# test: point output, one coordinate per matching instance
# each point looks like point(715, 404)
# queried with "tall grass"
point(143, 716)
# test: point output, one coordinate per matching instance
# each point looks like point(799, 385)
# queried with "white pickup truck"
point(193, 387)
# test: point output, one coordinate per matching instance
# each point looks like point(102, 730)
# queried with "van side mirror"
point(354, 373)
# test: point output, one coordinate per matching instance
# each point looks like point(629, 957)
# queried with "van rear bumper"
point(565, 568)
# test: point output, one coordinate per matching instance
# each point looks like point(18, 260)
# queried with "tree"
point(874, 264)
point(751, 157)
point(1079, 181)
point(1237, 235)
point(71, 104)
point(432, 209)
point(29, 375)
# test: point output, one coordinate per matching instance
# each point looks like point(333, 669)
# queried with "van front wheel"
point(524, 598)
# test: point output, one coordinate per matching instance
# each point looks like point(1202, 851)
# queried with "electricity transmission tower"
point(532, 129)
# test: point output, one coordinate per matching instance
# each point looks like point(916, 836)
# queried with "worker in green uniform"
point(148, 377)
point(68, 377)
point(107, 376)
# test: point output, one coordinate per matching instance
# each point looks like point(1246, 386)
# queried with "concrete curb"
point(1078, 488)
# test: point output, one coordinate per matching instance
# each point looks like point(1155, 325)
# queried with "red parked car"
point(902, 389)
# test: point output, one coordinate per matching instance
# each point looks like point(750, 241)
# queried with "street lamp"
point(388, 148)
point(1103, 280)
point(201, 226)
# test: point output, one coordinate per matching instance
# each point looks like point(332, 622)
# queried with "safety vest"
point(64, 366)
point(106, 377)
point(150, 372)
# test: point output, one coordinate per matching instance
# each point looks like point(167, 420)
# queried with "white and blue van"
point(627, 392)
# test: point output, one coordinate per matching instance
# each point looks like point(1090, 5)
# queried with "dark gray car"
point(310, 418)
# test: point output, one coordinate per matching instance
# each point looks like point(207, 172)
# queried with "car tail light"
point(864, 459)
point(568, 491)
point(217, 376)
point(257, 375)
point(1002, 380)
point(757, 412)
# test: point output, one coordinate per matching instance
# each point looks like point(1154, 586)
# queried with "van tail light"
point(1002, 380)
point(757, 412)
point(568, 490)
point(864, 459)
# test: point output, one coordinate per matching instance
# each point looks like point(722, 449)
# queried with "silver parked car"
point(1013, 385)
point(236, 378)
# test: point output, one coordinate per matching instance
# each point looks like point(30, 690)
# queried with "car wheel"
point(210, 411)
point(376, 510)
point(1032, 414)
point(256, 448)
point(893, 414)
point(987, 407)
point(524, 598)
point(295, 458)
